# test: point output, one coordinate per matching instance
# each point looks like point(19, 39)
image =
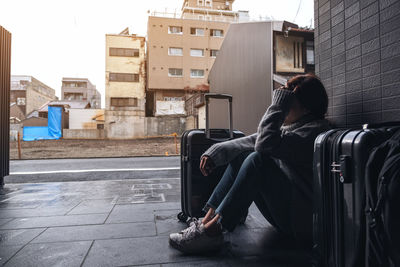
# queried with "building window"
point(124, 52)
point(200, 2)
point(21, 101)
point(208, 3)
point(196, 73)
point(197, 52)
point(197, 31)
point(310, 52)
point(170, 98)
point(175, 72)
point(175, 51)
point(124, 102)
point(124, 77)
point(217, 33)
point(213, 53)
point(73, 85)
point(175, 30)
point(100, 126)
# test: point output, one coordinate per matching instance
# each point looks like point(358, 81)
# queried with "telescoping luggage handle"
point(218, 96)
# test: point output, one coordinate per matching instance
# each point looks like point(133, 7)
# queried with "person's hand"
point(206, 165)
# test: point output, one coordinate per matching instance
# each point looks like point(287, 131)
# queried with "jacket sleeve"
point(291, 146)
point(225, 152)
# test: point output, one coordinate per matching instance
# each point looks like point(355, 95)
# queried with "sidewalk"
point(120, 223)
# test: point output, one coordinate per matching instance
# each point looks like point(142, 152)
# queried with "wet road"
point(57, 170)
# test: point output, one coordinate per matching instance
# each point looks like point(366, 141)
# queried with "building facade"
point(125, 85)
point(80, 89)
point(255, 58)
point(181, 51)
point(29, 94)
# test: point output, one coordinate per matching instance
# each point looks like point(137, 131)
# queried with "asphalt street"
point(62, 170)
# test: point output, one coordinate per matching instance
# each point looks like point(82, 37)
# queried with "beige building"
point(29, 94)
point(125, 85)
point(181, 52)
point(80, 89)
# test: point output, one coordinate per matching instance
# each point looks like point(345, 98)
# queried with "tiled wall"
point(357, 46)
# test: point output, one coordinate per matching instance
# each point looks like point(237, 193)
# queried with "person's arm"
point(222, 153)
point(291, 146)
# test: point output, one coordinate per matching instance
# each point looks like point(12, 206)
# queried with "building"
point(125, 85)
point(80, 89)
point(357, 55)
point(29, 93)
point(181, 51)
point(255, 58)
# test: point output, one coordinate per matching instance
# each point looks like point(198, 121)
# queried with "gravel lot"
point(47, 149)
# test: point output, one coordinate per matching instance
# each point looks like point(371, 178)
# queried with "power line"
point(298, 9)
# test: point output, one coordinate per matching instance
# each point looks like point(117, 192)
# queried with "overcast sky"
point(52, 39)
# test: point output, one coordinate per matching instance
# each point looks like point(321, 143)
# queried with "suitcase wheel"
point(182, 216)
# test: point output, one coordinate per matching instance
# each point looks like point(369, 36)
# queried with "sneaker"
point(194, 240)
point(195, 221)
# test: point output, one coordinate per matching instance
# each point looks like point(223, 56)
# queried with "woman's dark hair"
point(311, 93)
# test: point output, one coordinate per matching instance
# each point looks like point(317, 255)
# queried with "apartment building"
point(125, 85)
point(80, 89)
point(181, 51)
point(29, 93)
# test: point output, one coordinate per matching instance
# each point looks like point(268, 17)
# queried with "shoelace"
point(189, 232)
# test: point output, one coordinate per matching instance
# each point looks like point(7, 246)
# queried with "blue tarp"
point(54, 122)
point(51, 132)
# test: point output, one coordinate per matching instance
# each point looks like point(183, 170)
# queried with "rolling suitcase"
point(340, 158)
point(196, 188)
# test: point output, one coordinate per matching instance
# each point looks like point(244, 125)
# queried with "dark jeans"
point(252, 177)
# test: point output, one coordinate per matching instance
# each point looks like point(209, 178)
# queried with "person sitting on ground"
point(273, 168)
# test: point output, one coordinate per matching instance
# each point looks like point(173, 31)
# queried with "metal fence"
point(5, 62)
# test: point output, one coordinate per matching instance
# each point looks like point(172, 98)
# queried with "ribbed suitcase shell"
point(339, 196)
point(196, 188)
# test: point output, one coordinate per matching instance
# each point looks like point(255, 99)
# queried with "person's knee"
point(259, 160)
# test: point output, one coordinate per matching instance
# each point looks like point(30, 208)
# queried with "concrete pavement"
point(105, 221)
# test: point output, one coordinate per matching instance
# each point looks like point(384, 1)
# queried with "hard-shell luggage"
point(340, 158)
point(196, 188)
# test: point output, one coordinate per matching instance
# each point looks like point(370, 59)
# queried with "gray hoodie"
point(291, 146)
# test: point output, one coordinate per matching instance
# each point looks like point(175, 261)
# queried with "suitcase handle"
point(218, 96)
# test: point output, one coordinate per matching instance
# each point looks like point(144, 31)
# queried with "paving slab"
point(53, 221)
point(167, 222)
point(6, 252)
point(93, 206)
point(67, 254)
point(131, 213)
point(137, 251)
point(96, 232)
point(18, 237)
point(38, 212)
point(4, 221)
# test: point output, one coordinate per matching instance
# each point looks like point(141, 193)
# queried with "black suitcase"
point(340, 158)
point(196, 188)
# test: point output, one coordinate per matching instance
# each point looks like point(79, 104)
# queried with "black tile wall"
point(357, 54)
